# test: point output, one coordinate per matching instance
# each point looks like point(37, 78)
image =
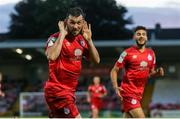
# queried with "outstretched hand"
point(86, 31)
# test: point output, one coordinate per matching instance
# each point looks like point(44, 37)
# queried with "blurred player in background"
point(96, 92)
point(1, 92)
point(139, 63)
point(65, 50)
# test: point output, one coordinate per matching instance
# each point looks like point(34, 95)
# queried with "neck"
point(96, 84)
point(141, 48)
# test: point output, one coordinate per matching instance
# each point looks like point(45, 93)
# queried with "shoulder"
point(55, 34)
point(126, 51)
point(102, 85)
point(150, 50)
point(131, 49)
point(52, 39)
point(89, 86)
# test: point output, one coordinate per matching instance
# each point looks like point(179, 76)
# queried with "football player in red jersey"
point(96, 92)
point(65, 50)
point(139, 64)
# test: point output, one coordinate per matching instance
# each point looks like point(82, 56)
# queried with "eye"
point(138, 34)
point(78, 23)
point(144, 34)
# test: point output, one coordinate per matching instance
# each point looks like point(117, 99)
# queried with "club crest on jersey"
point(77, 52)
point(66, 111)
point(82, 43)
point(149, 57)
point(133, 101)
point(143, 64)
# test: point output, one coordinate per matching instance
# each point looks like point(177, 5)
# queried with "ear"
point(65, 22)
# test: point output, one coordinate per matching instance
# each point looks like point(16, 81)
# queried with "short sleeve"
point(51, 40)
point(122, 58)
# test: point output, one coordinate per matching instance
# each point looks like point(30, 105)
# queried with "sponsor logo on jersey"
point(77, 52)
point(51, 41)
point(143, 64)
point(149, 57)
point(121, 58)
point(133, 101)
point(66, 111)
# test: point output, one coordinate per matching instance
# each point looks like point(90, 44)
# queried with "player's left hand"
point(86, 31)
point(160, 71)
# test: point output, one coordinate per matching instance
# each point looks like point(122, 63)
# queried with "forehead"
point(75, 18)
point(140, 31)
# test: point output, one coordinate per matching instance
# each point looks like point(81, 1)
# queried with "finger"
point(66, 28)
point(89, 26)
point(85, 25)
point(60, 23)
point(120, 96)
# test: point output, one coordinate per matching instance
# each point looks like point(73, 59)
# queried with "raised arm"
point(87, 34)
point(54, 51)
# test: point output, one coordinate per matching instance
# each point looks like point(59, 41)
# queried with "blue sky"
point(146, 12)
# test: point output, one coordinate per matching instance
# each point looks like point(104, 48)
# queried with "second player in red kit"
point(139, 64)
point(96, 92)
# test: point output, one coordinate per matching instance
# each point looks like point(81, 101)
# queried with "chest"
point(98, 89)
point(73, 48)
point(138, 59)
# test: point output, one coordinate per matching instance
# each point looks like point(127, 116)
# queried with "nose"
point(75, 26)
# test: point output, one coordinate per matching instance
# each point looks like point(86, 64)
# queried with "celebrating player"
point(65, 51)
point(139, 63)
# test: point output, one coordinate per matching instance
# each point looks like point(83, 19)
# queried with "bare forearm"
point(93, 52)
point(54, 51)
point(114, 78)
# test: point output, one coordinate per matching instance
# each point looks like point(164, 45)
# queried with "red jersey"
point(65, 71)
point(137, 67)
point(97, 91)
point(95, 94)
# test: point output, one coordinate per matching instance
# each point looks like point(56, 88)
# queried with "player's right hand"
point(62, 28)
point(118, 92)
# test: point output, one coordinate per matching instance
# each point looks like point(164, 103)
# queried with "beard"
point(140, 45)
point(73, 32)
